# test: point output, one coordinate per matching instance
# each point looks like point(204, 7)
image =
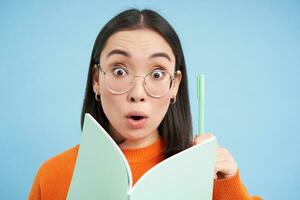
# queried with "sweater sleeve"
point(35, 192)
point(231, 188)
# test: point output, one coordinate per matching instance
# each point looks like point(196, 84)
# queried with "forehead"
point(140, 42)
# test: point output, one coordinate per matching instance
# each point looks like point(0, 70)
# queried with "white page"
point(187, 175)
point(101, 170)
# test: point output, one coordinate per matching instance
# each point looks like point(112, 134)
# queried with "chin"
point(135, 136)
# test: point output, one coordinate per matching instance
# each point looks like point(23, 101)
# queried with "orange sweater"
point(54, 176)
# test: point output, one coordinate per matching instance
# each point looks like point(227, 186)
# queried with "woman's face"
point(140, 51)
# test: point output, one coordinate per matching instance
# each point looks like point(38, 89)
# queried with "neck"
point(140, 143)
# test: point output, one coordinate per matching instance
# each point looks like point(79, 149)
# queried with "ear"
point(177, 81)
point(96, 80)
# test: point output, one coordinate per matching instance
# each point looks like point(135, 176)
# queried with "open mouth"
point(137, 118)
point(136, 121)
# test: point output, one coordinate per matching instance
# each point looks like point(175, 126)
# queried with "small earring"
point(96, 97)
point(173, 100)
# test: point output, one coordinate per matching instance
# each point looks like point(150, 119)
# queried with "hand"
point(225, 165)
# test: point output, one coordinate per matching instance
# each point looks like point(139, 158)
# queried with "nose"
point(137, 93)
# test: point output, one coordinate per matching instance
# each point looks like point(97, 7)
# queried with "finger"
point(224, 158)
point(225, 162)
point(221, 150)
point(226, 167)
point(198, 139)
point(221, 157)
point(216, 176)
point(223, 167)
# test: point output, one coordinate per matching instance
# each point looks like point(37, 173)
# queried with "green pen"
point(200, 94)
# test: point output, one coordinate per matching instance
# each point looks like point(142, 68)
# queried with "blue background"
point(249, 52)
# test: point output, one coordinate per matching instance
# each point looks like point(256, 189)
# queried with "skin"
point(225, 165)
point(140, 45)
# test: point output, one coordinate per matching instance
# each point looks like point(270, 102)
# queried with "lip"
point(136, 113)
point(136, 124)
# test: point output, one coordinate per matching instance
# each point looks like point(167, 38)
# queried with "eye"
point(119, 71)
point(157, 74)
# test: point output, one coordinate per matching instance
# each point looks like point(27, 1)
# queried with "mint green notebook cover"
point(102, 171)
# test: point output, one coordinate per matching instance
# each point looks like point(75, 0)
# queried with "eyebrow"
point(125, 53)
point(161, 54)
point(118, 51)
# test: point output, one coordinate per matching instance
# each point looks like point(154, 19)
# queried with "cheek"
point(160, 108)
point(110, 105)
point(164, 103)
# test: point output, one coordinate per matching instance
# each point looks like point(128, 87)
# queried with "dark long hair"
point(176, 126)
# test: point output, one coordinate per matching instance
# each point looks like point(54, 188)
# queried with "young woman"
point(137, 90)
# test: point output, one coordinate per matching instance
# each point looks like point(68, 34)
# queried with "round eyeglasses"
point(119, 79)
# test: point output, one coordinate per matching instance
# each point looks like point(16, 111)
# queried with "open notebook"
point(103, 173)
